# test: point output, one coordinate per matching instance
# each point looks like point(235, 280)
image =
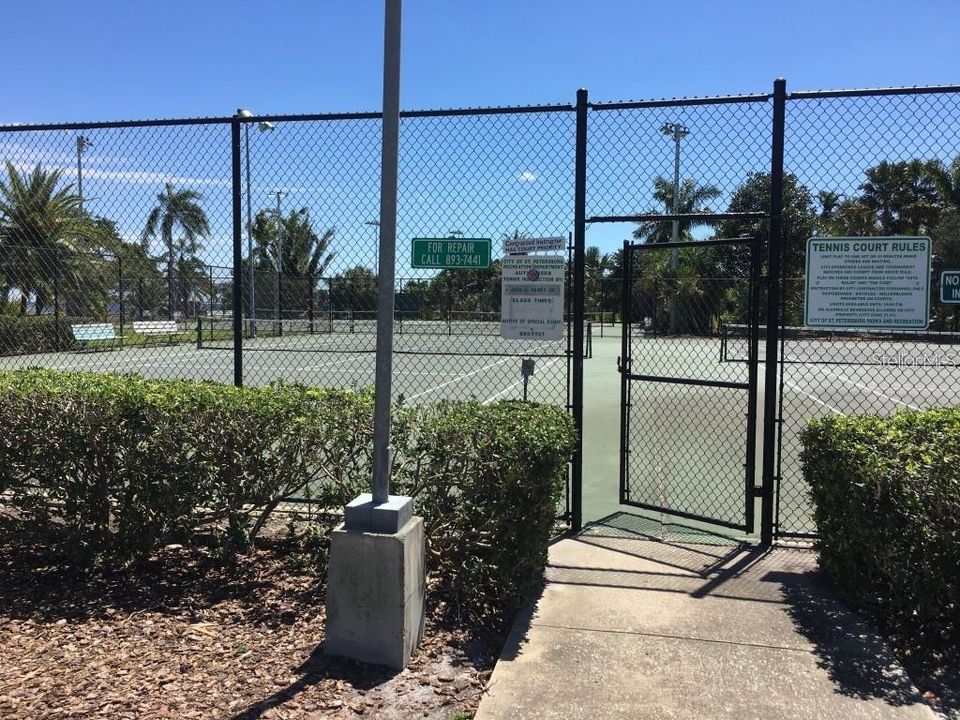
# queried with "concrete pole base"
point(376, 586)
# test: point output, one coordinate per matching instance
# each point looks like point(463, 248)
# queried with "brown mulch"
point(189, 634)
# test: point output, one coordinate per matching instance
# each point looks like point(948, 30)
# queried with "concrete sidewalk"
point(630, 626)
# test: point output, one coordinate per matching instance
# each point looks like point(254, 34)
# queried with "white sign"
point(868, 282)
point(512, 246)
point(532, 297)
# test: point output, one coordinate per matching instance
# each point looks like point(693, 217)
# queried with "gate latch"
point(623, 365)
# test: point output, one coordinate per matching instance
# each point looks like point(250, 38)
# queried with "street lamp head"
point(265, 126)
point(244, 113)
point(675, 130)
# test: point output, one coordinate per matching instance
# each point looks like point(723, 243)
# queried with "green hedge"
point(887, 503)
point(487, 480)
point(125, 464)
point(25, 334)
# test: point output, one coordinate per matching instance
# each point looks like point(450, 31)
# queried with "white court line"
point(817, 400)
point(460, 377)
point(510, 387)
point(845, 379)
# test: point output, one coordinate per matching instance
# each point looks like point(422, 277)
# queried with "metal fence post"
point(56, 300)
point(579, 243)
point(237, 258)
point(310, 281)
point(120, 294)
point(773, 313)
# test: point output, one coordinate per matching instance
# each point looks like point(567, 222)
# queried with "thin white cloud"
point(527, 176)
point(139, 177)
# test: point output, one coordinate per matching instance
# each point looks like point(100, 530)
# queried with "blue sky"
point(104, 60)
point(118, 59)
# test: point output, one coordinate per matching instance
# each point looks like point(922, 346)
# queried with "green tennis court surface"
point(688, 439)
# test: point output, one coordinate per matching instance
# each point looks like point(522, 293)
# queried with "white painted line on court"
point(817, 400)
point(460, 377)
point(845, 379)
point(510, 387)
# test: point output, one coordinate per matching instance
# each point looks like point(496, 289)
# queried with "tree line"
point(55, 255)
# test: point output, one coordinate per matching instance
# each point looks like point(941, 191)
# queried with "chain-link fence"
point(118, 248)
point(245, 249)
point(868, 163)
point(854, 163)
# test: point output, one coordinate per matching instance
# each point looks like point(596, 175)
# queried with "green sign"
point(950, 287)
point(451, 253)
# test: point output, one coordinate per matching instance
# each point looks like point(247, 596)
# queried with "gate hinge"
point(757, 491)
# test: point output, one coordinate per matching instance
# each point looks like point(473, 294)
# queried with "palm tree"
point(948, 182)
point(879, 193)
point(919, 197)
point(596, 265)
point(46, 240)
point(853, 218)
point(693, 198)
point(301, 253)
point(904, 195)
point(176, 208)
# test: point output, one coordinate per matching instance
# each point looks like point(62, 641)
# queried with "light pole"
point(278, 257)
point(677, 132)
point(262, 126)
point(83, 142)
point(375, 224)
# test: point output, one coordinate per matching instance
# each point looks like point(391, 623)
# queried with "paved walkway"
point(631, 626)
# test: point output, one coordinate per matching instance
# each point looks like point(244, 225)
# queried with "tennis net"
point(267, 334)
point(847, 346)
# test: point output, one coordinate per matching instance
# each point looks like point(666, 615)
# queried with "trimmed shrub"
point(487, 480)
point(887, 503)
point(125, 464)
point(26, 334)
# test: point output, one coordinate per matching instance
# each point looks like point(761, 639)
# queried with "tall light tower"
point(375, 224)
point(83, 142)
point(278, 257)
point(262, 126)
point(677, 132)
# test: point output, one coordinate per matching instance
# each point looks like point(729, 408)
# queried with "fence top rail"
point(679, 102)
point(867, 92)
point(302, 117)
point(499, 110)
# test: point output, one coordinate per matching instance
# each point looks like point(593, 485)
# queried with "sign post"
point(376, 572)
point(878, 283)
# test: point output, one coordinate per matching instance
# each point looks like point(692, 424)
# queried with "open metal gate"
point(688, 442)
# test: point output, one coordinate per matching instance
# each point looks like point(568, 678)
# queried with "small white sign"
point(532, 297)
point(513, 246)
point(868, 282)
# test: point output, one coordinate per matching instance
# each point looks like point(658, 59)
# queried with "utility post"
point(677, 132)
point(264, 127)
point(83, 142)
point(376, 579)
point(278, 256)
